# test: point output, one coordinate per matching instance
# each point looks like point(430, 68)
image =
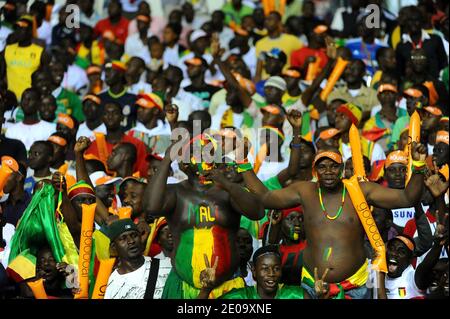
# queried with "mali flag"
point(194, 243)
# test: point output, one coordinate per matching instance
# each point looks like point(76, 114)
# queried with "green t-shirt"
point(283, 292)
point(253, 226)
point(232, 15)
point(399, 125)
point(67, 102)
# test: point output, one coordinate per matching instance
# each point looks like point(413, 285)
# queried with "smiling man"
point(334, 233)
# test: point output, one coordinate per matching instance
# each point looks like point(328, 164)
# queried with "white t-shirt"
point(171, 55)
point(377, 153)
point(216, 119)
point(140, 87)
point(131, 285)
point(135, 47)
point(4, 32)
point(83, 130)
point(165, 266)
point(402, 215)
point(403, 287)
point(75, 78)
point(44, 32)
point(29, 134)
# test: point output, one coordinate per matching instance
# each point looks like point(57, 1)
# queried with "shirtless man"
point(203, 214)
point(336, 241)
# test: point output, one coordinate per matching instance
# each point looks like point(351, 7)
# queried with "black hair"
point(94, 165)
point(33, 90)
point(220, 12)
point(380, 52)
point(130, 149)
point(40, 8)
point(269, 249)
point(47, 145)
point(176, 28)
point(277, 14)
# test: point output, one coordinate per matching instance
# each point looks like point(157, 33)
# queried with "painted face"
point(398, 258)
point(441, 153)
point(129, 245)
point(267, 273)
point(292, 227)
point(396, 175)
point(328, 173)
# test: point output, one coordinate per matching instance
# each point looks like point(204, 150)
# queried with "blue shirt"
point(367, 54)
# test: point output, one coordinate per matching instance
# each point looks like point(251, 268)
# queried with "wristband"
point(419, 170)
point(418, 164)
point(244, 167)
point(294, 145)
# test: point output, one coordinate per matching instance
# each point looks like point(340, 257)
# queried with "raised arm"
point(67, 210)
point(82, 144)
point(217, 53)
point(241, 199)
point(158, 198)
point(295, 119)
point(388, 198)
point(424, 239)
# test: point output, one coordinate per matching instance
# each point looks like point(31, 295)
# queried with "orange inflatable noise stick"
point(125, 212)
point(5, 172)
point(101, 146)
point(413, 136)
point(370, 227)
point(260, 157)
point(313, 69)
point(104, 271)
point(357, 157)
point(37, 287)
point(87, 226)
point(333, 78)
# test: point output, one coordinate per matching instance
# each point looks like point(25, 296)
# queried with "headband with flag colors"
point(442, 137)
point(387, 87)
point(66, 120)
point(275, 130)
point(150, 100)
point(116, 65)
point(336, 157)
point(93, 98)
point(80, 188)
point(413, 92)
point(406, 241)
point(444, 119)
point(353, 111)
point(10, 162)
point(58, 140)
point(292, 73)
point(396, 157)
point(433, 110)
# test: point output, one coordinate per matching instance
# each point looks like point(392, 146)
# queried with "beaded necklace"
point(339, 212)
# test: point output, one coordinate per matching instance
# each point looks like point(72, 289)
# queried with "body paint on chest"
point(201, 213)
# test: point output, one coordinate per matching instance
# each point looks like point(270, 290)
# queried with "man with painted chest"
point(203, 213)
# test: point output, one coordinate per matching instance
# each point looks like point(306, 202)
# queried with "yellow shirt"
point(21, 62)
point(285, 42)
